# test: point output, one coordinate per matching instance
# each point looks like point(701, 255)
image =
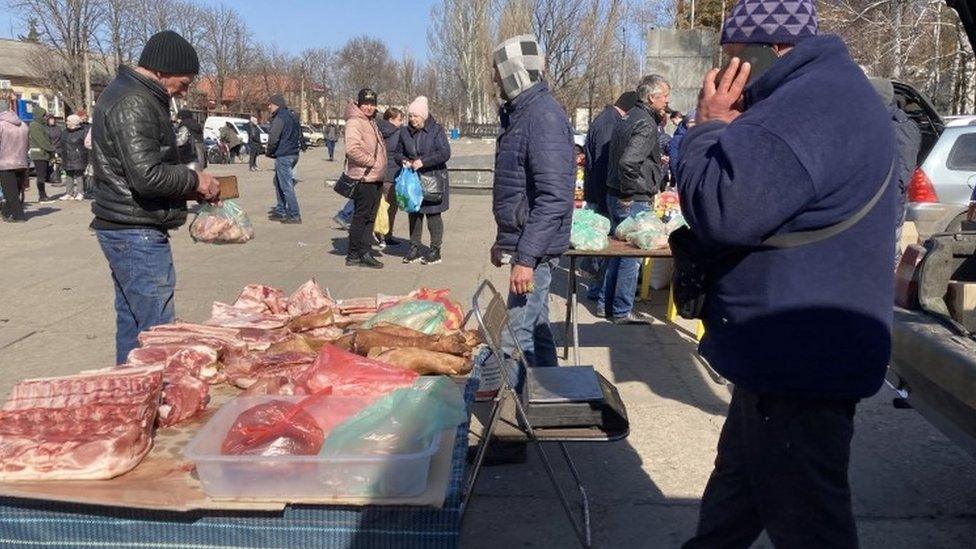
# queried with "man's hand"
point(417, 164)
point(522, 280)
point(723, 100)
point(496, 256)
point(208, 188)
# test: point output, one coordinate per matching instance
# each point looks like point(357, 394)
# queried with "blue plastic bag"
point(409, 193)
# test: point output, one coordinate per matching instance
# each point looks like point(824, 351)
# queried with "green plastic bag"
point(593, 219)
point(424, 316)
point(643, 221)
point(402, 422)
point(585, 237)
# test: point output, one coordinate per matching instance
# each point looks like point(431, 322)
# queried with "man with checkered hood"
point(532, 192)
point(796, 227)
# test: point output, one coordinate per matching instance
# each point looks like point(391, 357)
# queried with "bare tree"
point(460, 40)
point(365, 63)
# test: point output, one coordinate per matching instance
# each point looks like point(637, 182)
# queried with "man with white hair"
point(634, 177)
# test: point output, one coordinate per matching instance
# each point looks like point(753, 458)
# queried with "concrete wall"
point(683, 57)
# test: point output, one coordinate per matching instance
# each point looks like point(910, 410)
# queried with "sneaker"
point(368, 260)
point(66, 197)
point(342, 223)
point(79, 196)
point(600, 312)
point(433, 257)
point(629, 318)
point(381, 245)
point(291, 221)
point(353, 261)
point(275, 216)
point(413, 255)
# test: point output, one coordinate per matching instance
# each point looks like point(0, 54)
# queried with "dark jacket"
point(535, 166)
point(40, 141)
point(430, 145)
point(332, 132)
point(139, 180)
point(813, 320)
point(229, 136)
point(674, 146)
point(56, 134)
point(189, 140)
point(391, 135)
point(253, 134)
point(909, 140)
point(598, 157)
point(74, 155)
point(635, 156)
point(284, 139)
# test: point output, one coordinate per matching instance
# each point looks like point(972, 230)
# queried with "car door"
point(952, 165)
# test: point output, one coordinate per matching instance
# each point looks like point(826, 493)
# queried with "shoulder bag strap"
point(801, 238)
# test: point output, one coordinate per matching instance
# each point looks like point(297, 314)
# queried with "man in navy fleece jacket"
point(803, 332)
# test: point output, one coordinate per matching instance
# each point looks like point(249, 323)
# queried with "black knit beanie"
point(169, 53)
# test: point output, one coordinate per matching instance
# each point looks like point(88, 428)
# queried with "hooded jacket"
point(139, 181)
point(365, 147)
point(41, 147)
point(814, 320)
point(430, 145)
point(535, 167)
point(285, 137)
point(13, 142)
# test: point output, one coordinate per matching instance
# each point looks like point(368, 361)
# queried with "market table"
point(44, 522)
point(616, 250)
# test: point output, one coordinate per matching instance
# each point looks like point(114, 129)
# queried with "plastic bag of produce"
point(586, 237)
point(348, 374)
point(643, 221)
point(455, 314)
point(674, 222)
point(226, 223)
point(593, 219)
point(424, 316)
point(409, 192)
point(403, 422)
point(650, 239)
point(276, 428)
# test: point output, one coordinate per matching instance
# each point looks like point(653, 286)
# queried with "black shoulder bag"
point(689, 284)
point(345, 185)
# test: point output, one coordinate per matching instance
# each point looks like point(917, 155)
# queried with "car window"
point(241, 127)
point(962, 157)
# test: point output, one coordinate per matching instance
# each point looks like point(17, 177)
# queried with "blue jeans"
point(330, 145)
point(346, 212)
point(284, 182)
point(529, 317)
point(142, 270)
point(620, 280)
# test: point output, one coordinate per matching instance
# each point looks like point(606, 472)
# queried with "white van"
point(211, 128)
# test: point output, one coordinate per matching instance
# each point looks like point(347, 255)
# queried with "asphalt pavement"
point(912, 487)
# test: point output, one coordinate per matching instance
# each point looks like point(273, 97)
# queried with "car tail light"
point(920, 189)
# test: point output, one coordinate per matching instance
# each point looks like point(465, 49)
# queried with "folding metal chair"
point(494, 324)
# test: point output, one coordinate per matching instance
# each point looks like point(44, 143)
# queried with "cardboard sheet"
point(165, 481)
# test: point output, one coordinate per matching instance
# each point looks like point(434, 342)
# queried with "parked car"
point(211, 128)
point(939, 192)
point(933, 357)
point(314, 137)
point(960, 120)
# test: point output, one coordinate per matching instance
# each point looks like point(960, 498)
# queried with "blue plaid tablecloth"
point(32, 523)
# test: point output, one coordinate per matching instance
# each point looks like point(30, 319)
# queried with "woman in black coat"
point(74, 158)
point(424, 147)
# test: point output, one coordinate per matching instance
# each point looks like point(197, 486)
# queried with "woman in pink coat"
point(13, 161)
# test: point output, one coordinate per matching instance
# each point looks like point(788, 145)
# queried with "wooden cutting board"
point(228, 187)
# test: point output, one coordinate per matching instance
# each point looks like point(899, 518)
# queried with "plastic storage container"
point(294, 477)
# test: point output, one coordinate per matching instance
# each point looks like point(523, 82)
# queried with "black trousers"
point(366, 200)
point(10, 181)
point(781, 466)
point(253, 158)
point(434, 223)
point(40, 171)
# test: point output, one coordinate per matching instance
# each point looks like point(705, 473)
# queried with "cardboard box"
point(909, 235)
point(228, 187)
point(961, 301)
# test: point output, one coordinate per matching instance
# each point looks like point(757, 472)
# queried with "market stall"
point(181, 446)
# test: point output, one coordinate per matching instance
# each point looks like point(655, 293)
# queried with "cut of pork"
point(258, 298)
point(228, 316)
point(309, 298)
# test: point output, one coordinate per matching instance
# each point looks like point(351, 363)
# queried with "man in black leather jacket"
point(140, 186)
point(634, 177)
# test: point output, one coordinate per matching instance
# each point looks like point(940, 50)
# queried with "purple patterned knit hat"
point(770, 22)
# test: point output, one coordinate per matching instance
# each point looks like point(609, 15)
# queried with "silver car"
point(941, 187)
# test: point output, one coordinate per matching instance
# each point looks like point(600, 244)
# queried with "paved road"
point(912, 487)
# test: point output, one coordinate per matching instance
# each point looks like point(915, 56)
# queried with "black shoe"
point(291, 221)
point(629, 318)
point(433, 257)
point(353, 261)
point(274, 216)
point(391, 242)
point(367, 260)
point(413, 255)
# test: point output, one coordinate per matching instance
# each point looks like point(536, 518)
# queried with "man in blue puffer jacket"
point(532, 193)
point(803, 332)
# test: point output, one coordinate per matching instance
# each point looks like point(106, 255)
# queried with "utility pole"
point(692, 14)
point(88, 90)
point(623, 61)
point(896, 37)
point(301, 101)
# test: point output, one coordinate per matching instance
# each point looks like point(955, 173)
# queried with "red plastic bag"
point(455, 314)
point(276, 428)
point(349, 374)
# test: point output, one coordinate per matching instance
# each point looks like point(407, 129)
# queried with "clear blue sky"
point(298, 24)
